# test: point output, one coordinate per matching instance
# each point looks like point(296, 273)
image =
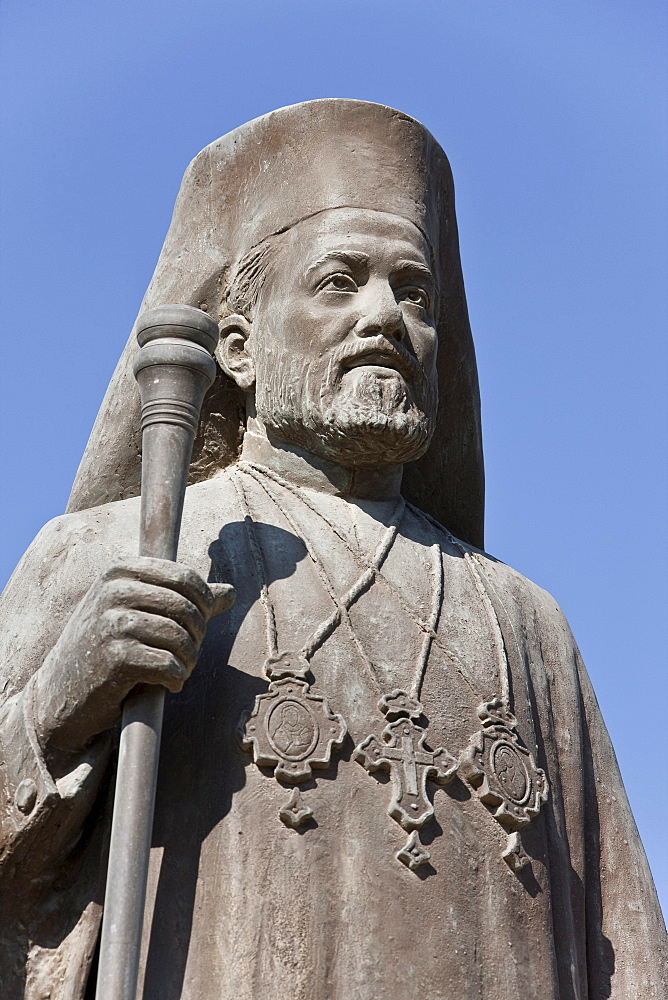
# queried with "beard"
point(357, 417)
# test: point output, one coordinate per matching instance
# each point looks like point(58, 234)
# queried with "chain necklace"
point(428, 628)
point(370, 574)
point(290, 728)
point(495, 763)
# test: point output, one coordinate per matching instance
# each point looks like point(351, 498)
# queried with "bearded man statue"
point(384, 773)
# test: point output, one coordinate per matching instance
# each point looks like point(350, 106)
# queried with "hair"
point(249, 276)
point(222, 421)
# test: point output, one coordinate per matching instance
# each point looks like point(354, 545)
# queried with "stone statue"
point(384, 772)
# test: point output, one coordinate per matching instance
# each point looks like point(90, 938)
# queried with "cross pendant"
point(401, 751)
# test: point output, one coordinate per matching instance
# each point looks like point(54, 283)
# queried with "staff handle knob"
point(174, 368)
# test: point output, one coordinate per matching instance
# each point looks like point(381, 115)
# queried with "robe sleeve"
point(608, 929)
point(626, 936)
point(41, 818)
point(626, 950)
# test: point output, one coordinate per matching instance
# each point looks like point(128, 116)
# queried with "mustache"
point(377, 351)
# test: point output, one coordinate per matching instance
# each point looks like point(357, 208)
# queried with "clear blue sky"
point(552, 113)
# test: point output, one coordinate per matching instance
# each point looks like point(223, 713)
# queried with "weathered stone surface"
point(365, 636)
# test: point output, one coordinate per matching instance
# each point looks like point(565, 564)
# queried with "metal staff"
point(174, 369)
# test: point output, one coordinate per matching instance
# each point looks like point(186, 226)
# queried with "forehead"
point(378, 234)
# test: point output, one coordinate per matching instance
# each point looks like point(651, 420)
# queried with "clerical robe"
point(240, 905)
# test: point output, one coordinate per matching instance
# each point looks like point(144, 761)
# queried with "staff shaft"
point(174, 369)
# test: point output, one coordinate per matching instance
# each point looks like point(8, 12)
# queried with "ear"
point(231, 352)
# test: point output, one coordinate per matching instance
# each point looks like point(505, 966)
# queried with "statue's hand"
point(142, 621)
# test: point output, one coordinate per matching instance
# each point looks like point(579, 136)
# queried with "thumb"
point(224, 596)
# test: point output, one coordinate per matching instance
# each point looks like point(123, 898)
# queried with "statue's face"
point(344, 339)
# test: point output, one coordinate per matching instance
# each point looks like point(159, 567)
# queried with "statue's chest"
point(371, 650)
point(364, 624)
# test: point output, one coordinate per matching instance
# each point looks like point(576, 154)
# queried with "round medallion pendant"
point(503, 770)
point(292, 730)
point(510, 771)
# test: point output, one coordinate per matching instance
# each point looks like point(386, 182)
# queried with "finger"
point(149, 665)
point(132, 594)
point(224, 596)
point(163, 573)
point(153, 630)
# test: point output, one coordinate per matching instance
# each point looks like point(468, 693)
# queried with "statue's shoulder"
point(71, 550)
point(117, 524)
point(73, 547)
point(109, 524)
point(213, 502)
point(520, 595)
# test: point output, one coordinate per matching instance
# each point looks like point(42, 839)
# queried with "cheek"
point(309, 329)
point(424, 339)
point(433, 348)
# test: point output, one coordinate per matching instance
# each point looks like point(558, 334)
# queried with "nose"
point(380, 314)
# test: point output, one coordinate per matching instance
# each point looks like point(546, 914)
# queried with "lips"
point(382, 359)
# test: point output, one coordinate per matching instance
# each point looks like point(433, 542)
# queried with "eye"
point(416, 295)
point(339, 282)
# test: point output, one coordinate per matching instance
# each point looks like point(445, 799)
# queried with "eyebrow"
point(354, 258)
point(413, 266)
